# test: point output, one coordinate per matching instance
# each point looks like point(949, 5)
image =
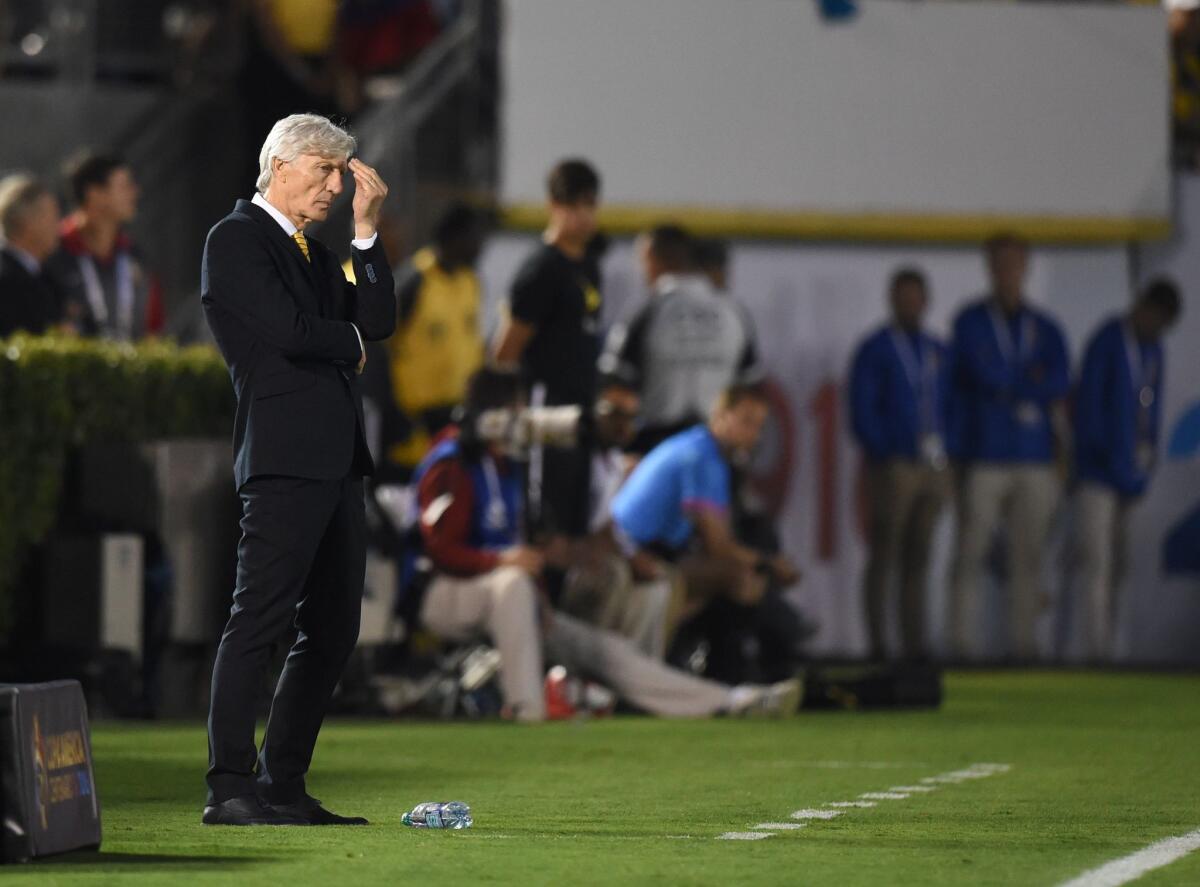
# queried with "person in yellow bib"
point(438, 343)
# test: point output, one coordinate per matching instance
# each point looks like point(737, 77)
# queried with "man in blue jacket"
point(898, 402)
point(1010, 374)
point(1117, 421)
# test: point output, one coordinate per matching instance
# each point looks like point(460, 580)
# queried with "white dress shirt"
point(608, 474)
point(290, 230)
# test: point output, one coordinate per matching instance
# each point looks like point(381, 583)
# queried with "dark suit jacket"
point(27, 301)
point(284, 327)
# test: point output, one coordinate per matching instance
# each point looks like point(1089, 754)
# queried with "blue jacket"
point(886, 374)
point(1109, 423)
point(1006, 374)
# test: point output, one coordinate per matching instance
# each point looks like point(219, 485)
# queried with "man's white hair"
point(19, 194)
point(299, 134)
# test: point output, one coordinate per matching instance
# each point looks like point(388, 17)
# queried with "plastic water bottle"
point(433, 814)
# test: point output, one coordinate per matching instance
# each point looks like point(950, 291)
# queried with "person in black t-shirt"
point(553, 332)
point(553, 323)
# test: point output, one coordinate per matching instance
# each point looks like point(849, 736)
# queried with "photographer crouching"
point(482, 580)
point(677, 506)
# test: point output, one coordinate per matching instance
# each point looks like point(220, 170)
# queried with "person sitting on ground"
point(629, 595)
point(470, 503)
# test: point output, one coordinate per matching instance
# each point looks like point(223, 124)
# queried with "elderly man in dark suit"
point(293, 333)
point(28, 235)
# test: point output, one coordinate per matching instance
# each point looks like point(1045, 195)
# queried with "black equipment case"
point(48, 801)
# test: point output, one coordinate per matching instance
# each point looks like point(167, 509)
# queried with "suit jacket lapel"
point(325, 267)
point(17, 266)
point(304, 269)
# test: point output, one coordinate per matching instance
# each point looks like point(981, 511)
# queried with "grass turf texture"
point(1102, 765)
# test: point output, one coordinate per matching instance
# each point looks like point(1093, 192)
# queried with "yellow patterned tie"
point(302, 243)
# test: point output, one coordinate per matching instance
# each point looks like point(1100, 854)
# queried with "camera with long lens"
point(520, 430)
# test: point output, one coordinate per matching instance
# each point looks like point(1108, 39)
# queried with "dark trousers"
point(302, 558)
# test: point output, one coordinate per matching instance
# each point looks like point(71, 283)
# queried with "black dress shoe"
point(312, 813)
point(248, 810)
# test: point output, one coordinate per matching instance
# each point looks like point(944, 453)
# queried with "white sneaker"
point(780, 700)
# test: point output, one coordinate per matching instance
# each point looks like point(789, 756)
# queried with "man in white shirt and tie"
point(292, 331)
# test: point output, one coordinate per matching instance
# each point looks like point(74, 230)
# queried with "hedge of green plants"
point(57, 393)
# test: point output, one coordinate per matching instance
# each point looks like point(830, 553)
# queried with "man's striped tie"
point(302, 242)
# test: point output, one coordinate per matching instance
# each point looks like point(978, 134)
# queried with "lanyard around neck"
point(1139, 367)
point(920, 367)
point(911, 355)
point(497, 509)
point(1142, 370)
point(1012, 351)
point(122, 326)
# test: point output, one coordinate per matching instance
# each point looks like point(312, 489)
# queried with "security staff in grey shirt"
point(685, 346)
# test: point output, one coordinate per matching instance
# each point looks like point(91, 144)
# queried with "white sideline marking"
point(743, 836)
point(864, 765)
point(975, 771)
point(901, 792)
point(1131, 867)
point(809, 813)
point(780, 826)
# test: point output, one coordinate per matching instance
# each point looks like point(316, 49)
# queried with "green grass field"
point(1101, 765)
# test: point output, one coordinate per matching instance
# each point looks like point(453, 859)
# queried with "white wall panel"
point(913, 108)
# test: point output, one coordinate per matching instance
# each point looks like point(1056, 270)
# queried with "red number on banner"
point(824, 408)
point(772, 472)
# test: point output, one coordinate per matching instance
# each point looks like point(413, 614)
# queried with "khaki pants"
point(503, 604)
point(1022, 498)
point(1099, 558)
point(906, 498)
point(604, 595)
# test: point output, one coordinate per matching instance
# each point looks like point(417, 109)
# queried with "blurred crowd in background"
point(641, 521)
point(323, 52)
